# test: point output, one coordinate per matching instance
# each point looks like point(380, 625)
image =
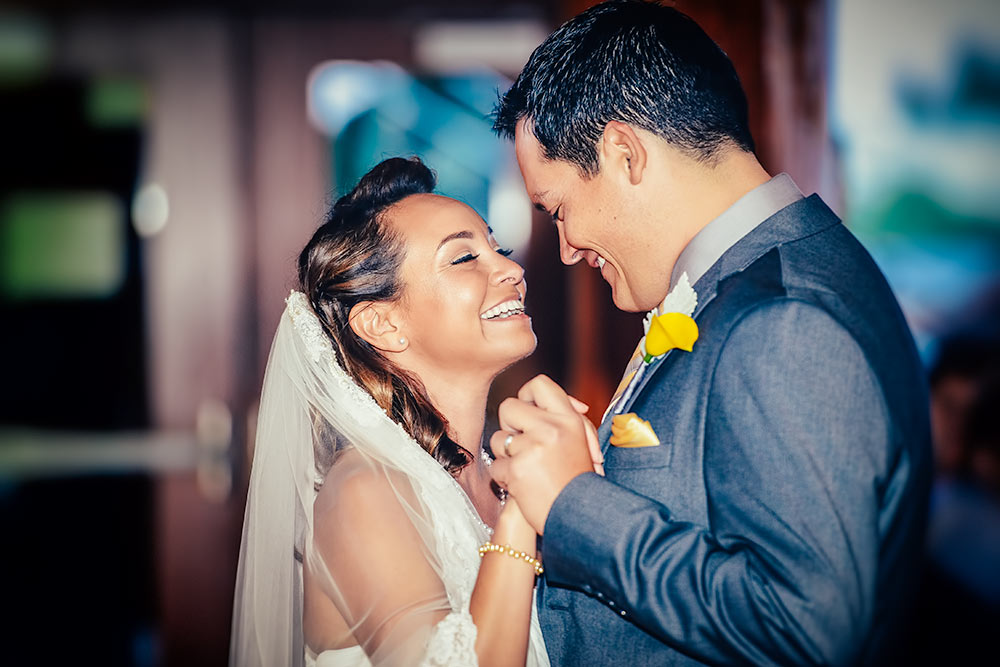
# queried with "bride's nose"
point(508, 271)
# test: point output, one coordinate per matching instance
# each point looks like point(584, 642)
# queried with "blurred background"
point(162, 163)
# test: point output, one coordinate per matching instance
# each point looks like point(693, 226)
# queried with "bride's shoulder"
point(366, 504)
point(356, 487)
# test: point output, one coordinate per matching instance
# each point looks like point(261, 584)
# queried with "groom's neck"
point(696, 193)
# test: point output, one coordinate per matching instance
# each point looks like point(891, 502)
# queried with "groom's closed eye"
point(552, 215)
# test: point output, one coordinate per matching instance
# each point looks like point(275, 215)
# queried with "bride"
point(373, 533)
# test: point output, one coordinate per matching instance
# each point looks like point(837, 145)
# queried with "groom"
point(772, 512)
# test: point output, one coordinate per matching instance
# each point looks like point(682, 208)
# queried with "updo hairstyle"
point(353, 257)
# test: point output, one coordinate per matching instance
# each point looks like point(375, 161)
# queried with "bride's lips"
point(508, 309)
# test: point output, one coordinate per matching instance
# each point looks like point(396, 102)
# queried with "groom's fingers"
point(578, 405)
point(516, 416)
point(548, 443)
point(594, 445)
point(544, 392)
point(546, 450)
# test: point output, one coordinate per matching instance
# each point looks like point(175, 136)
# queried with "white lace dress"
point(458, 532)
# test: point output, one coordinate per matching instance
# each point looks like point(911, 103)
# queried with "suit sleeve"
point(795, 438)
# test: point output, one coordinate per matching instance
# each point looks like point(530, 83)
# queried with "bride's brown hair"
point(354, 257)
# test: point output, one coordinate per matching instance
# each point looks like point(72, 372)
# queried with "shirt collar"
point(737, 221)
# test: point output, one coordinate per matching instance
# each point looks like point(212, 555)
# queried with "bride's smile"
point(462, 305)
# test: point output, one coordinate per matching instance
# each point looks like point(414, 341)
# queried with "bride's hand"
point(512, 528)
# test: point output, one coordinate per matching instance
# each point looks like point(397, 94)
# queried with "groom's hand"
point(541, 447)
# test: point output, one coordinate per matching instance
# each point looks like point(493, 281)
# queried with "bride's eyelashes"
point(468, 257)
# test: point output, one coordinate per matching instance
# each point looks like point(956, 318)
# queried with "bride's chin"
point(526, 351)
point(511, 354)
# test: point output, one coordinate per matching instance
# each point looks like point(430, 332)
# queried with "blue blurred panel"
point(372, 111)
point(917, 115)
point(938, 279)
point(477, 90)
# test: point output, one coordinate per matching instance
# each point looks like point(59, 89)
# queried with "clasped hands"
point(544, 441)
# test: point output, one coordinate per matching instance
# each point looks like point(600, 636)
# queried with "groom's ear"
point(623, 151)
point(375, 322)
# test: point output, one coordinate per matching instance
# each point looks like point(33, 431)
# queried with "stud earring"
point(402, 341)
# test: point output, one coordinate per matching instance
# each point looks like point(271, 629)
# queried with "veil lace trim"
point(369, 412)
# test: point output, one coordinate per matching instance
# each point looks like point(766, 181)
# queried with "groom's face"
point(593, 219)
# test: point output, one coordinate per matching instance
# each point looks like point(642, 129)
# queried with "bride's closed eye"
point(468, 257)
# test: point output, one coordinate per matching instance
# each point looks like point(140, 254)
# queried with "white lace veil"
point(342, 496)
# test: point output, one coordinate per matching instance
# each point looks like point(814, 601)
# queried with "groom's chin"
point(624, 301)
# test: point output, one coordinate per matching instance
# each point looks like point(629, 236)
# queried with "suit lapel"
point(803, 218)
point(705, 288)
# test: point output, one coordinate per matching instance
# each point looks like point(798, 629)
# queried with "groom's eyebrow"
point(465, 234)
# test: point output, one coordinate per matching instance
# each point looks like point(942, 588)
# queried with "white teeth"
point(600, 262)
point(503, 310)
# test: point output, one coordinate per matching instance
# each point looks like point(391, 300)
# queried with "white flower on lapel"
point(676, 328)
point(682, 298)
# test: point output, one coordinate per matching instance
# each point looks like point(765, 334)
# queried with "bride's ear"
point(375, 322)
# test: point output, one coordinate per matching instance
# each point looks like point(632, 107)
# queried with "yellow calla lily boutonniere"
point(629, 431)
point(669, 331)
point(671, 326)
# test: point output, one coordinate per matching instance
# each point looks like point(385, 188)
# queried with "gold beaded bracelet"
point(487, 547)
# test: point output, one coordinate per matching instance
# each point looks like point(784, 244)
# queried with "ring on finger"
point(506, 444)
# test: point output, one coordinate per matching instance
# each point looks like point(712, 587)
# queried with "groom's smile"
point(590, 212)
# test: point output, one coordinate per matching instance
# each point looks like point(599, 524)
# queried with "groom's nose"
point(567, 253)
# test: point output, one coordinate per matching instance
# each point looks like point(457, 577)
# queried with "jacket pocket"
point(630, 458)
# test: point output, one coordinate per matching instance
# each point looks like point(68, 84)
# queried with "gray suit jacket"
point(781, 519)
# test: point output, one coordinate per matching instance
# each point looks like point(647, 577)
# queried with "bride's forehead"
point(430, 215)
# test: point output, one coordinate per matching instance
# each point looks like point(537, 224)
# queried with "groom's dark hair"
point(637, 62)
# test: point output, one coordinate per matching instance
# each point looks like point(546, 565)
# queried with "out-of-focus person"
point(959, 608)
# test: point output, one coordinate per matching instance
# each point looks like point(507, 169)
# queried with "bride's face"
point(462, 298)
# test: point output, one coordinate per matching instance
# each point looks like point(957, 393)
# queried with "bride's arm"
point(370, 536)
point(373, 565)
point(501, 601)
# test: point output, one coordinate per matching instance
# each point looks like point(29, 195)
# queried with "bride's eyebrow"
point(465, 234)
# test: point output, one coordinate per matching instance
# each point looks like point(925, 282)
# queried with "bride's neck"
point(463, 405)
point(462, 402)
